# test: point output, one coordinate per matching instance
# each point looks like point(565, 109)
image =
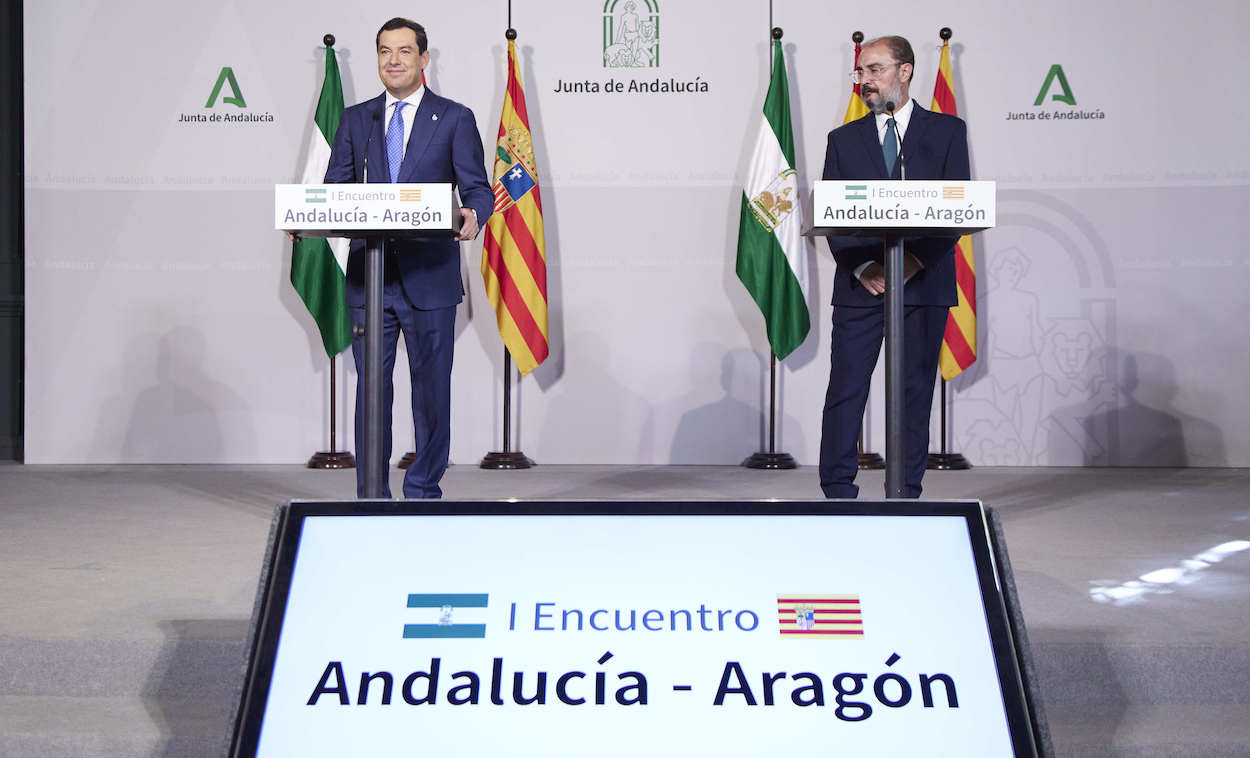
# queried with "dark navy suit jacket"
point(444, 146)
point(934, 147)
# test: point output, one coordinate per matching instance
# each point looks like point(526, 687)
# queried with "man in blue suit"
point(410, 134)
point(934, 146)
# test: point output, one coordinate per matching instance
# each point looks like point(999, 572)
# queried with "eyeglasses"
point(872, 72)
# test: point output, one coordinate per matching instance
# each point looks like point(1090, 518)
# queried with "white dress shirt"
point(408, 114)
point(902, 117)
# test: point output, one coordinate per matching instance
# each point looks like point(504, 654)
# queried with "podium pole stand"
point(894, 388)
point(375, 469)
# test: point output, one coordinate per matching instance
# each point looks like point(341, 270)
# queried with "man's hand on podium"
point(468, 227)
point(873, 275)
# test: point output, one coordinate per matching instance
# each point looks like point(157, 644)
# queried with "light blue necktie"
point(395, 141)
point(889, 147)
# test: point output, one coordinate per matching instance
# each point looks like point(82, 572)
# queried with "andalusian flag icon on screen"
point(446, 608)
point(820, 616)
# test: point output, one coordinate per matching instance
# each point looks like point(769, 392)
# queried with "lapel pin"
point(434, 117)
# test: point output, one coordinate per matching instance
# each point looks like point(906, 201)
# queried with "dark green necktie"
point(889, 147)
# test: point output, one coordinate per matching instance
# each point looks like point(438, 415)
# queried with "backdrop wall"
point(160, 325)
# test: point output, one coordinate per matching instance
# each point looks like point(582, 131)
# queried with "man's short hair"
point(900, 50)
point(419, 30)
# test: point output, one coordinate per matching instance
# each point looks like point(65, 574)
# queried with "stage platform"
point(127, 592)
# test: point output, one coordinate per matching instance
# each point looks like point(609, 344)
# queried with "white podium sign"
point(363, 207)
point(902, 205)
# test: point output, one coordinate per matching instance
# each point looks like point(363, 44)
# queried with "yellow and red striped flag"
point(959, 343)
point(820, 616)
point(514, 256)
point(855, 108)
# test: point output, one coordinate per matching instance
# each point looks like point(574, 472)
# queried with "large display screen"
point(611, 629)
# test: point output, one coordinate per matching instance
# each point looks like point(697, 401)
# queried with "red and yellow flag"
point(855, 108)
point(819, 616)
point(514, 257)
point(959, 344)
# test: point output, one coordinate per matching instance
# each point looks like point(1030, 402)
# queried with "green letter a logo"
point(1056, 72)
point(227, 77)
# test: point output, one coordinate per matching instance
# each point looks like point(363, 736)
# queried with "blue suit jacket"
point(444, 146)
point(934, 147)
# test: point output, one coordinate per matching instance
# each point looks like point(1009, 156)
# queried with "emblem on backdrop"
point(1055, 77)
point(1056, 101)
point(226, 79)
point(631, 34)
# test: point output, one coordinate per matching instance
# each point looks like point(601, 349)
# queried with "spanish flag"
point(514, 257)
point(855, 108)
point(959, 344)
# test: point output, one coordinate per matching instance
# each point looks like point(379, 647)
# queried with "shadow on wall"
point(607, 421)
point(182, 417)
point(729, 429)
point(1145, 429)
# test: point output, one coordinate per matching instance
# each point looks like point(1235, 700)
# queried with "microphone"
point(902, 167)
point(372, 126)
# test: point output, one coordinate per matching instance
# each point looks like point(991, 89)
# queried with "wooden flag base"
point(508, 460)
point(871, 462)
point(947, 462)
point(332, 460)
point(773, 461)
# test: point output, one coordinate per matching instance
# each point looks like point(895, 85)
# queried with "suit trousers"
point(429, 339)
point(857, 338)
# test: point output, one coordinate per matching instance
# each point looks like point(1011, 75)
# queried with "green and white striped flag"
point(770, 240)
point(317, 264)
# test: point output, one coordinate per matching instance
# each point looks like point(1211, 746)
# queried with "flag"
point(514, 257)
point(317, 264)
point(819, 616)
point(445, 606)
point(770, 241)
point(959, 343)
point(855, 107)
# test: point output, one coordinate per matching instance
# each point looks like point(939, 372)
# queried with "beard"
point(876, 101)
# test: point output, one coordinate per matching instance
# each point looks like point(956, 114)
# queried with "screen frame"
point(285, 540)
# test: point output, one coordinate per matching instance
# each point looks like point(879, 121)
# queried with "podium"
point(892, 212)
point(375, 213)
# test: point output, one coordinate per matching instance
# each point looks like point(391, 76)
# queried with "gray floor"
point(128, 590)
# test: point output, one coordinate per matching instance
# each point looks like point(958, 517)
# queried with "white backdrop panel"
point(161, 326)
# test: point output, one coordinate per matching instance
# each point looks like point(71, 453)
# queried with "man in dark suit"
point(410, 134)
point(934, 146)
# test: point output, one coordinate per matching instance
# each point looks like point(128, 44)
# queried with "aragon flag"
point(318, 265)
point(514, 257)
point(770, 239)
point(959, 343)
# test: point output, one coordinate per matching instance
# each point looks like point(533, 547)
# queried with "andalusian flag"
point(317, 264)
point(770, 241)
point(855, 107)
point(514, 257)
point(959, 344)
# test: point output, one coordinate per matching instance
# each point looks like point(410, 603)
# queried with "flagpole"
point(332, 458)
point(507, 459)
point(945, 460)
point(771, 460)
point(865, 461)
